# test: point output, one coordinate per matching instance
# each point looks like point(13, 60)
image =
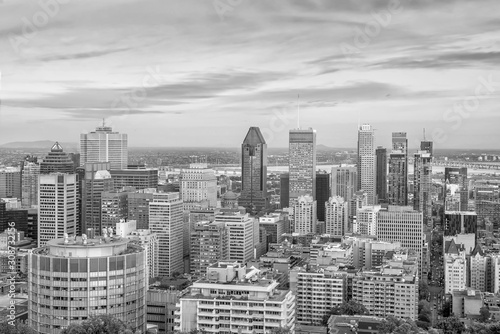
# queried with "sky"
point(199, 73)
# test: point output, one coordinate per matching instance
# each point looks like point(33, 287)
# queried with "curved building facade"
point(72, 279)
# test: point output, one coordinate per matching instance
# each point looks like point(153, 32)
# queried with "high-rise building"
point(138, 206)
point(3, 215)
point(422, 181)
point(114, 207)
point(254, 171)
point(274, 224)
point(73, 279)
point(198, 187)
point(381, 186)
point(285, 190)
point(397, 193)
point(233, 300)
point(97, 180)
point(344, 182)
point(322, 193)
point(104, 145)
point(57, 161)
point(243, 235)
point(312, 304)
point(336, 217)
point(391, 293)
point(456, 191)
point(10, 182)
point(305, 215)
point(209, 245)
point(460, 222)
point(480, 266)
point(165, 219)
point(302, 164)
point(455, 267)
point(139, 178)
point(30, 175)
point(366, 220)
point(57, 206)
point(368, 253)
point(366, 162)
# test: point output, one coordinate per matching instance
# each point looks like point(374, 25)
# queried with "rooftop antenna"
point(424, 134)
point(298, 112)
point(103, 122)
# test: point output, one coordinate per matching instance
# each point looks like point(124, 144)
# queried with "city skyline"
point(246, 66)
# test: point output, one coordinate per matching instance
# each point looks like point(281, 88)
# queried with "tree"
point(101, 324)
point(451, 325)
point(485, 313)
point(423, 290)
point(349, 308)
point(446, 309)
point(18, 328)
point(280, 330)
point(393, 325)
point(424, 311)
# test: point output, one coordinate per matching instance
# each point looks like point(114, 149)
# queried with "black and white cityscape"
point(249, 167)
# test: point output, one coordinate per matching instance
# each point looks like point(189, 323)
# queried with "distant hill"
point(42, 144)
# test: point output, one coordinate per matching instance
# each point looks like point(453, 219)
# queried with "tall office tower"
point(165, 219)
point(366, 162)
point(397, 193)
point(139, 178)
point(305, 215)
point(381, 186)
point(71, 280)
point(480, 267)
point(57, 161)
point(460, 222)
point(114, 207)
point(104, 145)
point(30, 175)
point(488, 212)
point(344, 182)
point(198, 187)
point(57, 206)
point(336, 217)
point(359, 200)
point(322, 193)
point(302, 164)
point(403, 224)
point(455, 267)
point(422, 181)
point(285, 190)
point(145, 238)
point(10, 182)
point(243, 235)
point(3, 215)
point(254, 196)
point(366, 220)
point(393, 292)
point(456, 192)
point(224, 301)
point(138, 206)
point(96, 181)
point(274, 224)
point(208, 245)
point(330, 290)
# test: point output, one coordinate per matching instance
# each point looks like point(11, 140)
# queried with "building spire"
point(298, 112)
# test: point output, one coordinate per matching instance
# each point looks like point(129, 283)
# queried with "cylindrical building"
point(71, 279)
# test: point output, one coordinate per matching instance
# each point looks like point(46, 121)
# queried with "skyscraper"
point(114, 207)
point(57, 161)
point(242, 234)
point(10, 182)
point(208, 245)
point(422, 181)
point(381, 154)
point(366, 162)
point(337, 215)
point(344, 182)
point(285, 190)
point(165, 219)
point(322, 193)
point(456, 192)
point(57, 207)
point(398, 170)
point(96, 181)
point(302, 164)
point(305, 215)
point(139, 178)
point(198, 187)
point(254, 171)
point(104, 145)
point(30, 175)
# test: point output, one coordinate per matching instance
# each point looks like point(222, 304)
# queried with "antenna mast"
point(298, 112)
point(424, 134)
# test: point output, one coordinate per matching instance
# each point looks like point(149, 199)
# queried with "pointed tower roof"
point(56, 147)
point(451, 247)
point(477, 250)
point(254, 136)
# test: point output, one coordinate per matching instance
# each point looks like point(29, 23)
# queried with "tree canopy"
point(19, 328)
point(101, 324)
